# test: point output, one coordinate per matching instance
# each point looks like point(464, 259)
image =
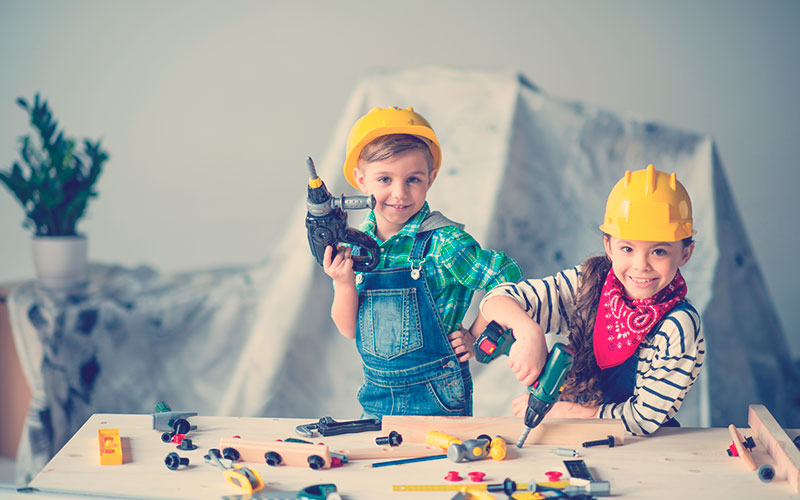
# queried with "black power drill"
point(326, 222)
point(545, 391)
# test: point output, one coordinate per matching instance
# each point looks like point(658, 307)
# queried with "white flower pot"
point(61, 261)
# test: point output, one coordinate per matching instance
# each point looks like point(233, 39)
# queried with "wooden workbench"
point(673, 464)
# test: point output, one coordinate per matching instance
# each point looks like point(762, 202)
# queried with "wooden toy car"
point(316, 456)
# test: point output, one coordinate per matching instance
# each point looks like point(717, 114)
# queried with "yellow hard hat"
point(386, 121)
point(648, 205)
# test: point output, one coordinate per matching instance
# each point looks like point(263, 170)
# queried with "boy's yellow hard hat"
point(648, 205)
point(386, 121)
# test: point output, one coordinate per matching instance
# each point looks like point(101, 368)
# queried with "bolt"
point(173, 461)
point(609, 441)
point(393, 439)
point(565, 452)
point(766, 473)
point(508, 487)
point(187, 445)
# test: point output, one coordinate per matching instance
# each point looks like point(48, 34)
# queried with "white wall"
point(209, 108)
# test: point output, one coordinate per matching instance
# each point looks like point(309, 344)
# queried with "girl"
point(637, 341)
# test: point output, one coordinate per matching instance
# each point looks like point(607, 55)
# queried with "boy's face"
point(645, 267)
point(399, 185)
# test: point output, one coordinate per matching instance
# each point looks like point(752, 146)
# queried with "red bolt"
point(476, 476)
point(178, 438)
point(732, 452)
point(553, 475)
point(453, 476)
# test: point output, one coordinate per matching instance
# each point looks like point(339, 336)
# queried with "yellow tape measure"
point(458, 487)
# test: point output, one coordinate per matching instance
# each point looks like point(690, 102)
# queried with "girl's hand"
point(461, 341)
point(519, 405)
point(340, 268)
point(561, 409)
point(528, 353)
point(567, 409)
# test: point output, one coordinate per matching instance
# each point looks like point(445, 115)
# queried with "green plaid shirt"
point(455, 264)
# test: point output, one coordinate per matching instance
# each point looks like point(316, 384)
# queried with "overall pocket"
point(389, 322)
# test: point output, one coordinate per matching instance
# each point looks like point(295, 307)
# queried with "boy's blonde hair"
point(388, 146)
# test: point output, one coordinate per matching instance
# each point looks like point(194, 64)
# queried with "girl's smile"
point(646, 267)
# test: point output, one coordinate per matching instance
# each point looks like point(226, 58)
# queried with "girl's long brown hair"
point(582, 382)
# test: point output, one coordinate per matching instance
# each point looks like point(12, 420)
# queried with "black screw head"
point(187, 445)
point(173, 461)
point(393, 439)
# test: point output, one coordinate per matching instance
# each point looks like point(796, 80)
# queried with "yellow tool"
point(110, 446)
point(440, 439)
point(242, 477)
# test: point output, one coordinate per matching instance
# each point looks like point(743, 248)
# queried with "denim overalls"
point(618, 382)
point(409, 366)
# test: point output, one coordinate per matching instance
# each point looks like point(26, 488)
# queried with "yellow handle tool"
point(245, 478)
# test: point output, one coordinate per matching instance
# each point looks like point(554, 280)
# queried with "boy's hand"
point(528, 353)
point(461, 341)
point(340, 268)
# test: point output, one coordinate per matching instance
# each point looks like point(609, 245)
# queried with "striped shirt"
point(670, 357)
point(455, 264)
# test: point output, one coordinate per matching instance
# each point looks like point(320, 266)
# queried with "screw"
point(766, 473)
point(508, 487)
point(565, 452)
point(186, 444)
point(173, 461)
point(609, 441)
point(393, 439)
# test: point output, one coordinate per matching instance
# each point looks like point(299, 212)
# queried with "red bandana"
point(622, 322)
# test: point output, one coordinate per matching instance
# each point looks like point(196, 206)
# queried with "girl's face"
point(645, 267)
point(399, 185)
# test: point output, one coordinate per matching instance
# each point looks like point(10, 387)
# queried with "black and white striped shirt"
point(670, 357)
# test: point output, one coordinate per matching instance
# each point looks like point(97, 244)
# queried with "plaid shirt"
point(455, 264)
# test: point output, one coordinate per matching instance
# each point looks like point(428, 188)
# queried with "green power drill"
point(494, 341)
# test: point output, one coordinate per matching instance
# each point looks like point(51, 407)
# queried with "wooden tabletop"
point(674, 464)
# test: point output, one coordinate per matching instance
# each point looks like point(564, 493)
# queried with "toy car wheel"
point(230, 454)
point(272, 458)
point(316, 462)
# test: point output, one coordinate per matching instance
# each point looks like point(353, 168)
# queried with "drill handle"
point(369, 252)
point(492, 343)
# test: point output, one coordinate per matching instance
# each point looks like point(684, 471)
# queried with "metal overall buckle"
point(416, 271)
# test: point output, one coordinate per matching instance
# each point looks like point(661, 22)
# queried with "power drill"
point(545, 391)
point(326, 223)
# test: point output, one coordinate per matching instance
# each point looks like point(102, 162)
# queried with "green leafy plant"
point(55, 180)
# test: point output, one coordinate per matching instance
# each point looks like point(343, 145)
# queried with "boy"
point(401, 312)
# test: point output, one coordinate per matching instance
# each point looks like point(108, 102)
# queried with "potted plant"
point(53, 183)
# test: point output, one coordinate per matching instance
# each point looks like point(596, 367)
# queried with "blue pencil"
point(408, 460)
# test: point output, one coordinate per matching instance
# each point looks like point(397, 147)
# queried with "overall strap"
point(420, 246)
